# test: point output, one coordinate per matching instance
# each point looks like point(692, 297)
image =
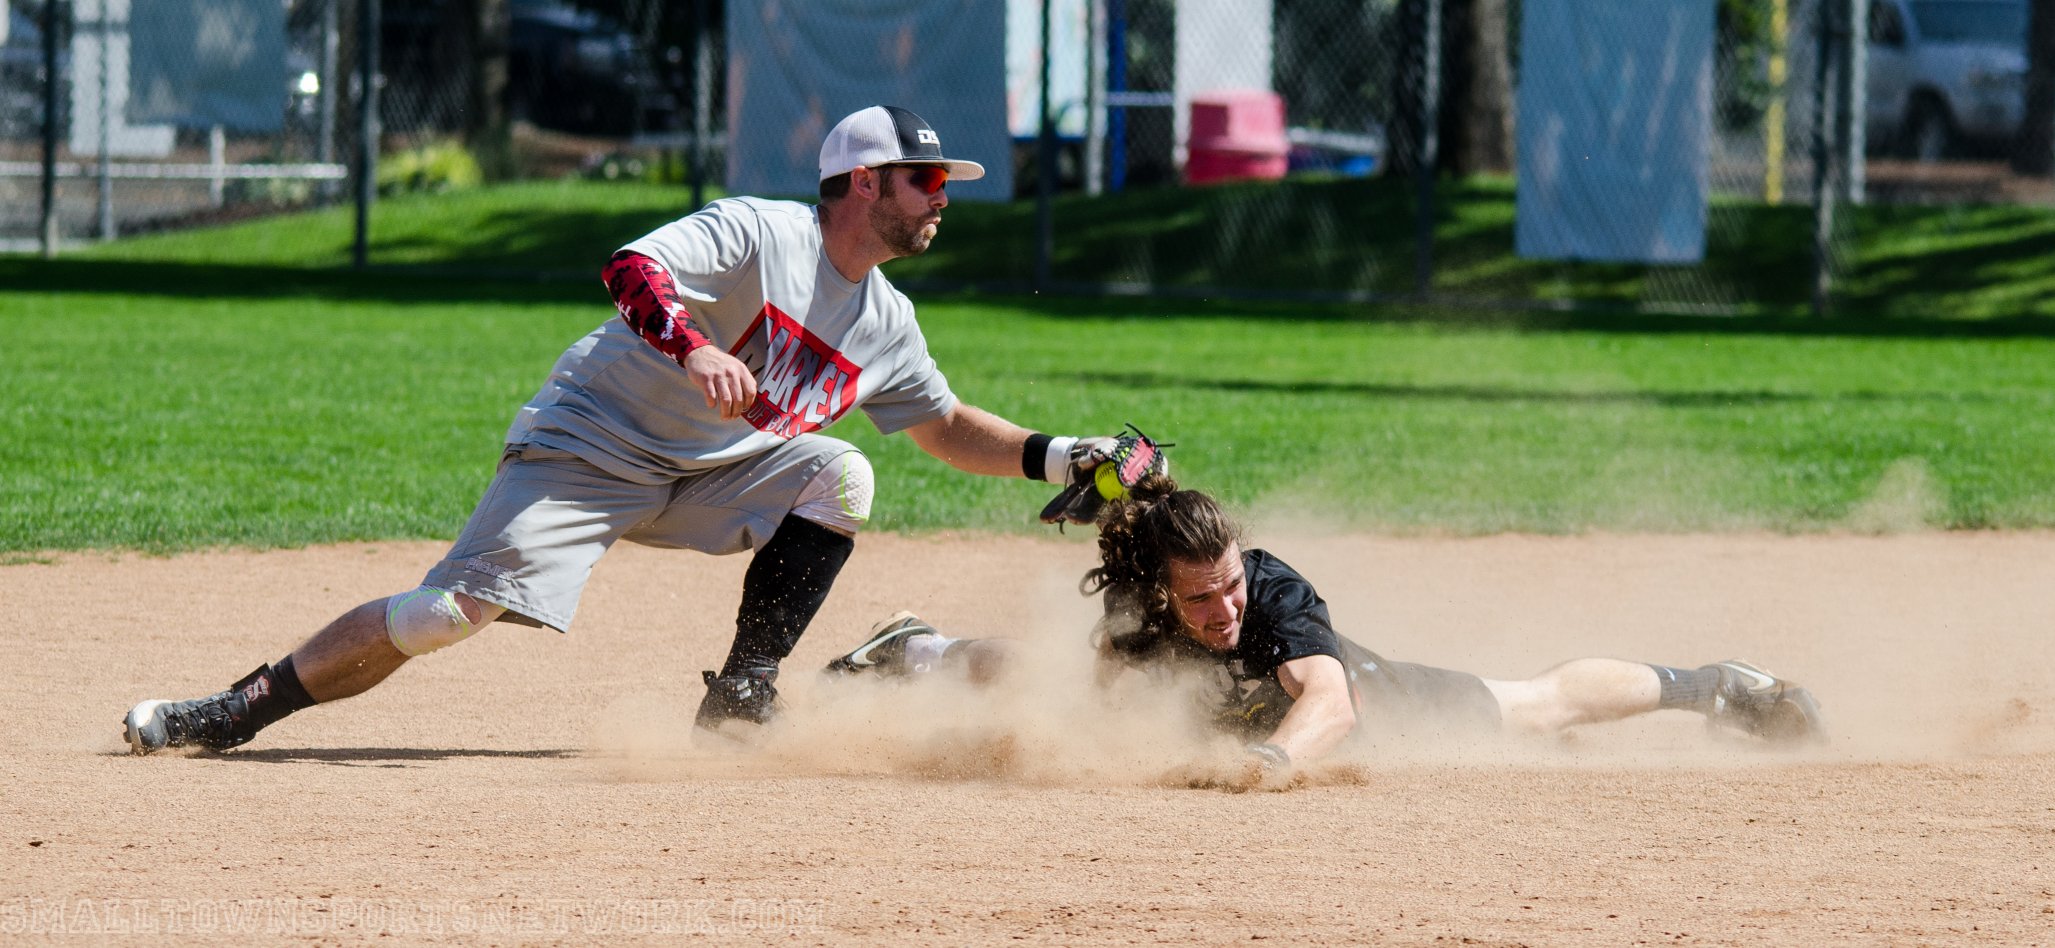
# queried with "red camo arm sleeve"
point(648, 300)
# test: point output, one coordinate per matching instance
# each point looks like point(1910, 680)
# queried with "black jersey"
point(1285, 620)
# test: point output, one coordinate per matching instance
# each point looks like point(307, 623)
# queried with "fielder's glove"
point(1103, 469)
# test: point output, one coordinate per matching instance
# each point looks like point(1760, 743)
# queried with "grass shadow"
point(1486, 394)
point(382, 756)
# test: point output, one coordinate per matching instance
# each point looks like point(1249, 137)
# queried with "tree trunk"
point(1477, 100)
point(2033, 153)
point(1410, 126)
point(486, 24)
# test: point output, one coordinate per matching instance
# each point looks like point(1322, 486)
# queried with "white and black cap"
point(888, 135)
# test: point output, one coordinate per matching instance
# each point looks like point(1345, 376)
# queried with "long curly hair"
point(1139, 536)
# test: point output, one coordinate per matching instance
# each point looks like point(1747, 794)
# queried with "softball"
point(1107, 477)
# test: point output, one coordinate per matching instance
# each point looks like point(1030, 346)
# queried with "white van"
point(1945, 75)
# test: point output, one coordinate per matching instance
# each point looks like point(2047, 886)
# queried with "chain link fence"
point(169, 114)
point(1671, 155)
point(175, 114)
point(1282, 120)
point(1372, 149)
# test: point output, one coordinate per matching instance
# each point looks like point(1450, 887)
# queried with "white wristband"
point(1056, 460)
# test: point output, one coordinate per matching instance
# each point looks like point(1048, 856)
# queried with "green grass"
point(236, 387)
point(255, 408)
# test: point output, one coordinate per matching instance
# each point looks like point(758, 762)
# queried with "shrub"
point(436, 167)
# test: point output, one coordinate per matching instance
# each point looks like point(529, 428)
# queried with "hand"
point(1065, 466)
point(1271, 758)
point(723, 379)
point(1087, 454)
point(1241, 774)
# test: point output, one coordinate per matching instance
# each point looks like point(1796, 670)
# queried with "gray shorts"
point(549, 516)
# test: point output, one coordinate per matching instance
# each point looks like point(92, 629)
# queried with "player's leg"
point(346, 657)
point(369, 643)
point(905, 645)
point(353, 653)
point(515, 551)
point(1581, 691)
point(1594, 690)
point(800, 507)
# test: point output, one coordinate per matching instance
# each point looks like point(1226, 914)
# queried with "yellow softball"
point(1107, 477)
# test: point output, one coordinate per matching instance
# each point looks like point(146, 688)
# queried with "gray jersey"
point(757, 282)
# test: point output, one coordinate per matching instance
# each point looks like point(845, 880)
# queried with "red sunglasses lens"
point(929, 180)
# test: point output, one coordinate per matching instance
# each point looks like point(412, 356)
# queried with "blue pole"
point(1045, 167)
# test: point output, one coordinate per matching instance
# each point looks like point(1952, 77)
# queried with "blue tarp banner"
point(795, 69)
point(1615, 123)
point(201, 63)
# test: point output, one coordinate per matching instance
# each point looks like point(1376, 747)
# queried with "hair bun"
point(1153, 487)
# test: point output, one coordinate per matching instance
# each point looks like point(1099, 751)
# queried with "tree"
point(1477, 95)
point(1474, 124)
point(485, 25)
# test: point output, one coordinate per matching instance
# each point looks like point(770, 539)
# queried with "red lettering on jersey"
point(804, 384)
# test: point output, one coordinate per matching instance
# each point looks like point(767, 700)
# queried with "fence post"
point(702, 98)
point(217, 166)
point(1045, 171)
point(1773, 117)
point(103, 29)
point(1854, 93)
point(1428, 148)
point(1095, 98)
point(1116, 82)
point(368, 27)
point(1825, 121)
point(52, 16)
point(331, 30)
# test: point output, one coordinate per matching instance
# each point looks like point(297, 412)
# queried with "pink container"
point(1236, 134)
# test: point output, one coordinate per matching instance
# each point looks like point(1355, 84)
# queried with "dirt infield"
point(525, 787)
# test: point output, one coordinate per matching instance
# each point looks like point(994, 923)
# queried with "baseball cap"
point(888, 135)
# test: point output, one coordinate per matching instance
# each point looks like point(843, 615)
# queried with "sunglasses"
point(929, 179)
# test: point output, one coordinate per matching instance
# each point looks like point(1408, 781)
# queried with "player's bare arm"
point(1321, 715)
point(972, 439)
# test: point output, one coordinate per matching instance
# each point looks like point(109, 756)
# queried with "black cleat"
point(752, 698)
point(217, 722)
point(1756, 702)
point(885, 652)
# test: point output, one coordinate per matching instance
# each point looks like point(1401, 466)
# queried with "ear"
point(865, 181)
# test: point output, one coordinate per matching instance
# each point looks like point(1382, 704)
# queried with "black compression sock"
point(272, 692)
point(785, 585)
point(1690, 689)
